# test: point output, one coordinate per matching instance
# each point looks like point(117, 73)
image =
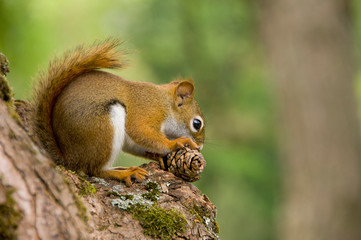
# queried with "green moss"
point(150, 196)
point(81, 208)
point(215, 226)
point(7, 95)
point(9, 216)
point(78, 203)
point(87, 189)
point(127, 196)
point(5, 90)
point(199, 213)
point(121, 196)
point(158, 222)
point(12, 134)
point(113, 194)
point(60, 168)
point(151, 186)
point(103, 227)
point(153, 191)
point(202, 215)
point(13, 113)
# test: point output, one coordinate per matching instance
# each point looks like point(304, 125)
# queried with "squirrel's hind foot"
point(126, 174)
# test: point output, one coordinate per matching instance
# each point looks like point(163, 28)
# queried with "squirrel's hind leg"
point(117, 118)
point(125, 174)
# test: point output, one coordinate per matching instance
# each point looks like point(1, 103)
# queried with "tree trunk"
point(310, 48)
point(35, 194)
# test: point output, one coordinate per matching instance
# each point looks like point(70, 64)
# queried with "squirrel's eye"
point(196, 124)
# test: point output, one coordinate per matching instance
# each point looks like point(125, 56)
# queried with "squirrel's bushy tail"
point(60, 73)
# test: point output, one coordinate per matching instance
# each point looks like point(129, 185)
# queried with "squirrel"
point(85, 117)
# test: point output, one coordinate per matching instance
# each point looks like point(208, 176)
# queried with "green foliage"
point(214, 42)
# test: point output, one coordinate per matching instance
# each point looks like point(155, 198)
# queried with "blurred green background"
point(217, 43)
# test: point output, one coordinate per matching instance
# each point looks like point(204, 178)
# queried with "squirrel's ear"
point(184, 92)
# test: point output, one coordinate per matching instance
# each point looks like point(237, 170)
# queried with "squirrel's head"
point(186, 119)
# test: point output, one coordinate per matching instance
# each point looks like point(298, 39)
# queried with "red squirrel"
point(85, 117)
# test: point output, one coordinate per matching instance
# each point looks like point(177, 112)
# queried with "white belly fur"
point(117, 119)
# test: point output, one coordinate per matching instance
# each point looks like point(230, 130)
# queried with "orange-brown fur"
point(60, 73)
point(72, 104)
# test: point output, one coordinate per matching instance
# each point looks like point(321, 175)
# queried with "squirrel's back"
point(60, 73)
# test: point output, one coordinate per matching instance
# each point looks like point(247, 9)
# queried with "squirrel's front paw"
point(184, 142)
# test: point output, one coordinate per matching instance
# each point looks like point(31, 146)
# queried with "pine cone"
point(185, 163)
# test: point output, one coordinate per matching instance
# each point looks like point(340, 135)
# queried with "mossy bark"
point(10, 215)
point(40, 194)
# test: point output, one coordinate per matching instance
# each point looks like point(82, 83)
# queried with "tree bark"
point(46, 204)
point(310, 48)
